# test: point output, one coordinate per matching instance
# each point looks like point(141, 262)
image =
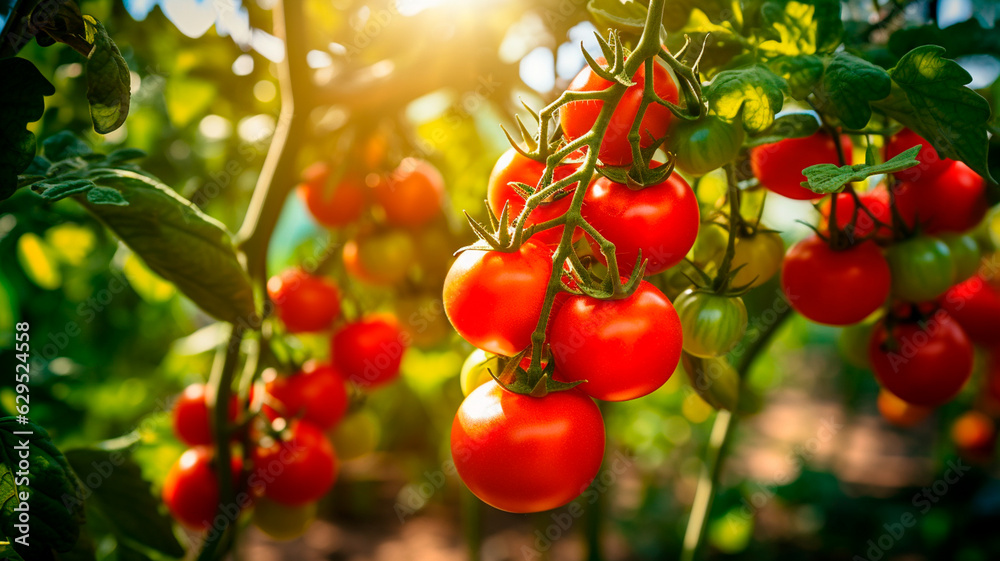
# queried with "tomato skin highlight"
point(412, 194)
point(316, 394)
point(922, 269)
point(494, 299)
point(661, 221)
point(929, 366)
point(336, 206)
point(953, 201)
point(705, 144)
point(525, 454)
point(191, 490)
point(513, 167)
point(191, 416)
point(296, 471)
point(304, 302)
point(835, 287)
point(369, 351)
point(931, 164)
point(625, 348)
point(779, 166)
point(712, 324)
point(975, 305)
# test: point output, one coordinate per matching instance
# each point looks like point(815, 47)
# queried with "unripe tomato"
point(924, 365)
point(369, 351)
point(922, 269)
point(578, 117)
point(191, 416)
point(315, 394)
point(710, 246)
point(283, 522)
point(624, 349)
point(953, 201)
point(835, 287)
point(876, 201)
point(412, 194)
point(931, 164)
point(494, 299)
point(974, 433)
point(476, 370)
point(297, 470)
point(975, 305)
point(759, 256)
point(191, 490)
point(527, 454)
point(853, 344)
point(779, 166)
point(712, 324)
point(964, 253)
point(333, 206)
point(380, 258)
point(897, 412)
point(357, 435)
point(304, 302)
point(704, 144)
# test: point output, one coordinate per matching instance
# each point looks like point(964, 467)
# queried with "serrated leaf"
point(22, 104)
point(797, 27)
point(800, 72)
point(929, 95)
point(55, 190)
point(848, 86)
point(829, 178)
point(108, 81)
point(629, 16)
point(755, 91)
point(793, 125)
point(63, 146)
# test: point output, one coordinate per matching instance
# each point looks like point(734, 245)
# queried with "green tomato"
point(712, 324)
point(280, 521)
point(965, 252)
point(710, 246)
point(704, 144)
point(922, 269)
point(475, 370)
point(760, 256)
point(853, 343)
point(356, 435)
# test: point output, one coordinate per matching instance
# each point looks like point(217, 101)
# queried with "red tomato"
point(527, 454)
point(513, 167)
point(952, 201)
point(191, 421)
point(975, 305)
point(660, 220)
point(369, 351)
point(191, 490)
point(332, 205)
point(835, 287)
point(494, 299)
point(927, 365)
point(931, 164)
point(624, 348)
point(296, 470)
point(578, 117)
point(315, 394)
point(412, 194)
point(302, 301)
point(974, 433)
point(876, 201)
point(779, 166)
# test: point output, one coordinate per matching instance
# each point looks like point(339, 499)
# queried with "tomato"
point(304, 302)
point(369, 351)
point(954, 201)
point(476, 370)
point(423, 319)
point(494, 299)
point(975, 305)
point(965, 253)
point(191, 490)
point(283, 522)
point(924, 366)
point(660, 220)
point(704, 144)
point(191, 417)
point(779, 166)
point(876, 201)
point(624, 348)
point(412, 194)
point(974, 433)
point(922, 269)
point(759, 256)
point(380, 258)
point(315, 394)
point(578, 117)
point(714, 380)
point(296, 470)
point(527, 454)
point(513, 167)
point(357, 435)
point(710, 246)
point(835, 287)
point(897, 412)
point(333, 206)
point(712, 324)
point(853, 344)
point(931, 164)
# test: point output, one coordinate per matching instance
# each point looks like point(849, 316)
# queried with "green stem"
point(733, 193)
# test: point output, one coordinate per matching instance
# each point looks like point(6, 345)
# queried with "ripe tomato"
point(712, 324)
point(332, 205)
point(369, 351)
point(381, 257)
point(527, 454)
point(931, 164)
point(578, 117)
point(975, 305)
point(494, 299)
point(304, 302)
point(191, 420)
point(315, 394)
point(283, 522)
point(412, 194)
point(924, 366)
point(296, 470)
point(191, 491)
point(513, 167)
point(953, 201)
point(704, 144)
point(965, 253)
point(922, 269)
point(759, 256)
point(660, 220)
point(779, 166)
point(835, 287)
point(897, 412)
point(974, 433)
point(876, 201)
point(476, 370)
point(624, 348)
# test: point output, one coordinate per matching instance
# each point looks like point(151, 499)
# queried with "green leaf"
point(796, 27)
point(801, 72)
point(108, 81)
point(828, 178)
point(54, 190)
point(929, 95)
point(965, 38)
point(793, 125)
point(113, 485)
point(105, 196)
point(848, 86)
point(22, 104)
point(755, 91)
point(177, 241)
point(123, 155)
point(629, 17)
point(63, 146)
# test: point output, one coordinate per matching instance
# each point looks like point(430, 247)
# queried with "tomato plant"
point(952, 201)
point(412, 194)
point(922, 269)
point(712, 323)
point(190, 416)
point(705, 144)
point(874, 216)
point(370, 350)
point(514, 167)
point(190, 489)
point(294, 469)
point(316, 394)
point(334, 206)
point(757, 258)
point(304, 302)
point(773, 163)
